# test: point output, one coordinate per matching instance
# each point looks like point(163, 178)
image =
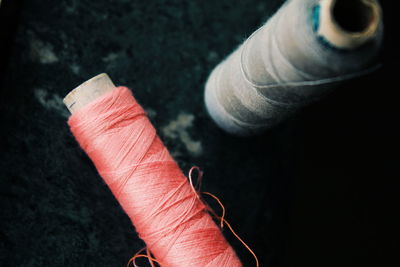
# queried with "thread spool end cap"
point(349, 24)
point(88, 91)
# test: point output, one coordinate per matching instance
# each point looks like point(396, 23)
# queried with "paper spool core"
point(88, 92)
point(349, 24)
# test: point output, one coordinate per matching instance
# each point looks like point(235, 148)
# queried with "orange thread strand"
point(223, 220)
point(244, 243)
point(222, 217)
point(151, 259)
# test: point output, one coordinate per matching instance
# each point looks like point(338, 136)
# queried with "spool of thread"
point(113, 129)
point(296, 57)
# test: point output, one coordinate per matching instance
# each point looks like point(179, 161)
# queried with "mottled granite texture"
point(301, 194)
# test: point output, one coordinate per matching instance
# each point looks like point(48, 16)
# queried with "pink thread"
point(167, 213)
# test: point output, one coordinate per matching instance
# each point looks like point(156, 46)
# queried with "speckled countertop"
point(297, 194)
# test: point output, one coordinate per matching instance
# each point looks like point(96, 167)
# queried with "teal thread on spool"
point(315, 17)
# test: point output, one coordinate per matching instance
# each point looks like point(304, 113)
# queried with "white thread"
point(281, 67)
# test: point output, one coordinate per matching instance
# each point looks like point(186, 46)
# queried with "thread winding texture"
point(166, 211)
point(281, 67)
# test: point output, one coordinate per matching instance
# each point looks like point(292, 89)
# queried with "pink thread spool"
point(166, 211)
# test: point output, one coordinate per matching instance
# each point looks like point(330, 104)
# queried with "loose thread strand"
point(223, 220)
point(222, 217)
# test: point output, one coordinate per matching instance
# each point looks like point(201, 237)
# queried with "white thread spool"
point(88, 92)
point(305, 49)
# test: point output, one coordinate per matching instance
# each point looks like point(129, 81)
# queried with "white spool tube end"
point(348, 24)
point(88, 91)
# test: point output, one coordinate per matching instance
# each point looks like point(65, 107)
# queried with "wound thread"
point(165, 209)
point(291, 61)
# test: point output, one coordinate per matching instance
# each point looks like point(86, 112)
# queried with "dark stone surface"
point(319, 190)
